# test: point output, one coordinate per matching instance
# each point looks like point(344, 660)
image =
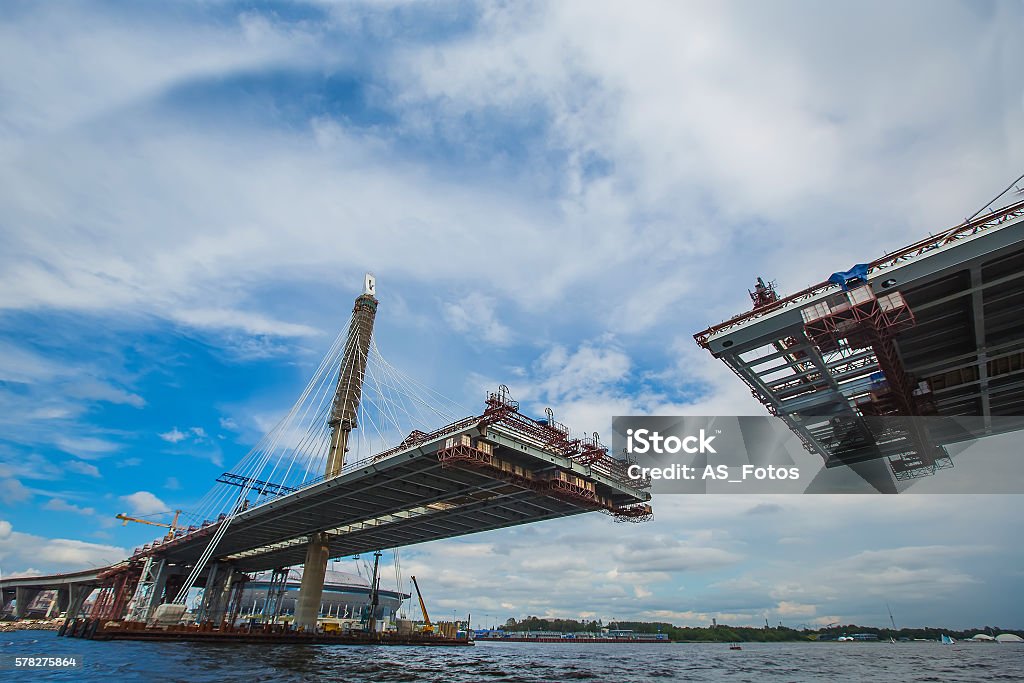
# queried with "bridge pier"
point(156, 596)
point(77, 594)
point(6, 600)
point(23, 596)
point(63, 599)
point(213, 591)
point(311, 590)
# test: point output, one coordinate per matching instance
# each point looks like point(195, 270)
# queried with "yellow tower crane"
point(171, 528)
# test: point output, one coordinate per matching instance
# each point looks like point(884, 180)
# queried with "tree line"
point(723, 633)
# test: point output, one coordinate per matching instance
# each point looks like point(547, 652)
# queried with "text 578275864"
point(45, 662)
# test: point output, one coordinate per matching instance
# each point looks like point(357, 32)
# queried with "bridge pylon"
point(342, 421)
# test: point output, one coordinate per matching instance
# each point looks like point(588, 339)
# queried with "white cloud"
point(172, 484)
point(173, 436)
point(31, 466)
point(250, 323)
point(192, 434)
point(13, 491)
point(60, 505)
point(27, 554)
point(87, 447)
point(475, 314)
point(88, 388)
point(144, 503)
point(82, 468)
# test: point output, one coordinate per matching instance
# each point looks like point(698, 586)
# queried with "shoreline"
point(41, 625)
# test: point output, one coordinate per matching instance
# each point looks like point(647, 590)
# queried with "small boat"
point(735, 646)
point(946, 640)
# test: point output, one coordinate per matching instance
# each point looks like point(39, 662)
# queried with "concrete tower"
point(342, 421)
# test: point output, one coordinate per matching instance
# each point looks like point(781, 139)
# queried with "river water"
point(514, 662)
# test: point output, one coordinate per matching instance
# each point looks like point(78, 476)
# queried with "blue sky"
point(552, 195)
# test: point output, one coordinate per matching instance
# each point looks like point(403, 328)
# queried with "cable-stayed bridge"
point(366, 459)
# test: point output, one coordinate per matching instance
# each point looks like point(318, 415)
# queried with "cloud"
point(87, 447)
point(13, 491)
point(173, 436)
point(31, 571)
point(28, 555)
point(31, 466)
point(192, 434)
point(60, 505)
point(250, 323)
point(172, 484)
point(82, 468)
point(475, 314)
point(96, 390)
point(144, 503)
point(765, 509)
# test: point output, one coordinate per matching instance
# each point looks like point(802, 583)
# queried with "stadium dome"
point(344, 596)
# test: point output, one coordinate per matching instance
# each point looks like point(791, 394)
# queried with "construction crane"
point(171, 528)
point(429, 627)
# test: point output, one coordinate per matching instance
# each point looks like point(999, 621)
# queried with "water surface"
point(517, 662)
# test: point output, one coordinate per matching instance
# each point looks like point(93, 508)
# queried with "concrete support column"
point(63, 598)
point(23, 596)
point(312, 587)
point(219, 604)
point(213, 592)
point(156, 594)
point(76, 599)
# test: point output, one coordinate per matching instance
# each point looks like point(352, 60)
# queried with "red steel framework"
point(117, 588)
point(855, 320)
point(558, 484)
point(502, 409)
point(861, 320)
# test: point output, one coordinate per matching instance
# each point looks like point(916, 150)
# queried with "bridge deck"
point(406, 498)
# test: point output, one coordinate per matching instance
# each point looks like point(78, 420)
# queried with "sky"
point(556, 196)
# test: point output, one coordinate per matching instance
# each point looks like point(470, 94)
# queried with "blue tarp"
point(856, 275)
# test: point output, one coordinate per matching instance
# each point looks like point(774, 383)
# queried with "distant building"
point(344, 596)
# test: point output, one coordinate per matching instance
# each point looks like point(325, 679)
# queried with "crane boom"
point(423, 607)
point(172, 527)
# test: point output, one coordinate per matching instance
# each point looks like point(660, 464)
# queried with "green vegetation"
point(723, 633)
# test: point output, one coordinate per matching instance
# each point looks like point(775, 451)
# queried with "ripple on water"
point(523, 662)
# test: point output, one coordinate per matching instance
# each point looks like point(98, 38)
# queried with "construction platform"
point(932, 329)
point(97, 629)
